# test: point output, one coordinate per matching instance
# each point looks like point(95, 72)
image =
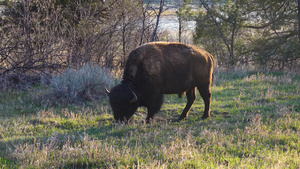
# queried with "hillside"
point(254, 123)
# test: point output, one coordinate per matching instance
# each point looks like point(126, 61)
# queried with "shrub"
point(86, 83)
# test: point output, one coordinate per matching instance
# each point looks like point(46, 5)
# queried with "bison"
point(159, 68)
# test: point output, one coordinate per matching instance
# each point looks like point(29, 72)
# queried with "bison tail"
point(214, 64)
point(213, 78)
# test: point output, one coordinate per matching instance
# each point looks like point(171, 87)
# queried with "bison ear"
point(107, 91)
point(134, 99)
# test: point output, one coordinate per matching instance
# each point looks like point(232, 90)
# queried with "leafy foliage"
point(263, 33)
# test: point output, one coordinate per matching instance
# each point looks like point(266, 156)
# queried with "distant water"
point(171, 23)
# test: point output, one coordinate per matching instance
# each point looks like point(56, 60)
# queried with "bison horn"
point(107, 91)
point(134, 99)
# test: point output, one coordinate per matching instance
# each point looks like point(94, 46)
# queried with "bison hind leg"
point(206, 96)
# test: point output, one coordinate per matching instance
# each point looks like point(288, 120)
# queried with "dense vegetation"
point(44, 37)
point(255, 123)
point(262, 33)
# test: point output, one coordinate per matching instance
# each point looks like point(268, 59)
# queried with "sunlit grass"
point(254, 123)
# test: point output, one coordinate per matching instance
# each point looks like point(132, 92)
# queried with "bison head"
point(123, 101)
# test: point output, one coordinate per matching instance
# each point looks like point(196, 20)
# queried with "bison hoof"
point(204, 117)
point(149, 120)
point(179, 119)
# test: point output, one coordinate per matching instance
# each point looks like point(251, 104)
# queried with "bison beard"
point(161, 68)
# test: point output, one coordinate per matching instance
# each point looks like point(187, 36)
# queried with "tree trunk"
point(143, 27)
point(179, 29)
point(299, 20)
point(28, 48)
point(144, 11)
point(161, 6)
point(227, 44)
point(123, 41)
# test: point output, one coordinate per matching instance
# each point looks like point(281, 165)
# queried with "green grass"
point(254, 123)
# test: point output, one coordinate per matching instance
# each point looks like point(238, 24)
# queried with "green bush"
point(86, 83)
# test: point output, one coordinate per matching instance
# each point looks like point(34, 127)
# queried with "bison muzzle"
point(159, 68)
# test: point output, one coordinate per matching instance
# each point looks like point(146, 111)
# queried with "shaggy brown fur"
point(161, 68)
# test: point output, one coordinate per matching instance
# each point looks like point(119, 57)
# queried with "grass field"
point(254, 123)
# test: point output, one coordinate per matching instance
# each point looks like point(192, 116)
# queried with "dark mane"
point(131, 68)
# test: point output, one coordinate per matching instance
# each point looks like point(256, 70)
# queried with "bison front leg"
point(150, 115)
point(206, 95)
point(154, 107)
point(191, 96)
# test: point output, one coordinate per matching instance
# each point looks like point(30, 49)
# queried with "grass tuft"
point(86, 83)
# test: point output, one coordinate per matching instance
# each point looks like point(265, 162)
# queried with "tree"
point(160, 10)
point(42, 37)
point(183, 13)
point(299, 20)
point(131, 13)
point(244, 31)
point(223, 23)
point(146, 22)
point(277, 45)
